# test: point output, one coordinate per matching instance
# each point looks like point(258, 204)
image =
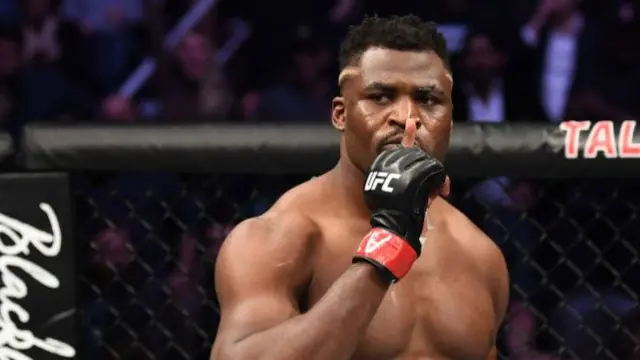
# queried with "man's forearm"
point(331, 330)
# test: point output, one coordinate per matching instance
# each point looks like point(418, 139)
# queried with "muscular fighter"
point(368, 261)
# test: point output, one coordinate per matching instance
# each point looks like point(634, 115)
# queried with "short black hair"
point(404, 33)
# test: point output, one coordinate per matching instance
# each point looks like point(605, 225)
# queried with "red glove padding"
point(388, 251)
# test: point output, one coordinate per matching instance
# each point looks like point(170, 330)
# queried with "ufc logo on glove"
point(377, 178)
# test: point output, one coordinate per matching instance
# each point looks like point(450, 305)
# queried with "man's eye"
point(428, 101)
point(380, 98)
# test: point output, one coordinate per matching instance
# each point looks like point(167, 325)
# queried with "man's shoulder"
point(279, 246)
point(485, 255)
point(301, 199)
point(480, 247)
point(283, 227)
point(287, 226)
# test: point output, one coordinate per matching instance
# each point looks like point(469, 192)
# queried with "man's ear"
point(338, 113)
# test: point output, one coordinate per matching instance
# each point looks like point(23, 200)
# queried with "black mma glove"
point(397, 190)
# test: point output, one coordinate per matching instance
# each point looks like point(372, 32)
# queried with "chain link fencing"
point(151, 241)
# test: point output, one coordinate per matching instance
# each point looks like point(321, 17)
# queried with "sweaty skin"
point(285, 281)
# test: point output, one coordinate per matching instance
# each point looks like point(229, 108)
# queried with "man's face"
point(482, 61)
point(309, 66)
point(563, 9)
point(36, 9)
point(387, 88)
point(306, 68)
point(194, 57)
point(9, 57)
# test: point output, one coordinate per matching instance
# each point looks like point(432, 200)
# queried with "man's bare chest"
point(441, 309)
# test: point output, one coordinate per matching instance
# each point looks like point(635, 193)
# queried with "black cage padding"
point(476, 150)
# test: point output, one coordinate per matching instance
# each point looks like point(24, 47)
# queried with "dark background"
point(146, 242)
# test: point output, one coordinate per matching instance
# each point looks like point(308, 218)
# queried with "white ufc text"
point(16, 240)
point(377, 178)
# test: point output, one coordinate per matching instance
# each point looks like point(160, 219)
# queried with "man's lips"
point(394, 142)
point(390, 145)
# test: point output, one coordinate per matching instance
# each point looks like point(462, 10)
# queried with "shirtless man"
point(333, 272)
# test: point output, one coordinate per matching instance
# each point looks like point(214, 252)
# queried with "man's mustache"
point(395, 138)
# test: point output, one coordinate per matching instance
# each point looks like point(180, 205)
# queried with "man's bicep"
point(259, 275)
point(255, 314)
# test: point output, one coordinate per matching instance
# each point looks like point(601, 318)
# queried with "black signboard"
point(37, 267)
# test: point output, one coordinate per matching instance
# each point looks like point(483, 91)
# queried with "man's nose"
point(404, 109)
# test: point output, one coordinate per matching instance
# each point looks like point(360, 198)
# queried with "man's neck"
point(349, 183)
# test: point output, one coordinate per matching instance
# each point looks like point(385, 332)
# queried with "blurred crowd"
point(543, 60)
point(153, 235)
